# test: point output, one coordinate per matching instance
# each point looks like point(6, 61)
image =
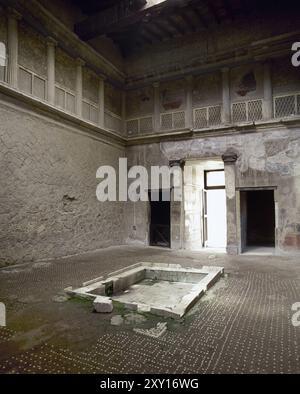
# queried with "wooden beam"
point(119, 16)
point(212, 10)
point(145, 37)
point(161, 27)
point(200, 18)
point(187, 20)
point(150, 30)
point(175, 25)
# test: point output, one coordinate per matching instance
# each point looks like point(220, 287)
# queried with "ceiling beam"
point(212, 10)
point(187, 20)
point(200, 17)
point(149, 29)
point(161, 27)
point(175, 25)
point(121, 15)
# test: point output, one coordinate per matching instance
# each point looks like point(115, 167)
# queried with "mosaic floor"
point(242, 325)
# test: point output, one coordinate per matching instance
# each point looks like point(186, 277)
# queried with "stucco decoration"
point(247, 82)
point(139, 102)
point(172, 95)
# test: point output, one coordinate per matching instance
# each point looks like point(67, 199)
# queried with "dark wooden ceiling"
point(133, 24)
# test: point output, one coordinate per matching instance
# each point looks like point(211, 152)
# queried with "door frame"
point(238, 212)
point(149, 216)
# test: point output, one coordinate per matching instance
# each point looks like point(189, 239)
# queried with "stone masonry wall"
point(48, 189)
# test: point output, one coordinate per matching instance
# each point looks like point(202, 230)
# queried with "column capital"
point(179, 163)
point(225, 70)
point(79, 62)
point(50, 41)
point(189, 78)
point(102, 78)
point(14, 14)
point(229, 157)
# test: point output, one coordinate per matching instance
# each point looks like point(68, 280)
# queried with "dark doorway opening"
point(257, 218)
point(160, 229)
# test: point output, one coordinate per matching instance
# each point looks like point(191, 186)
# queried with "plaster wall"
point(32, 52)
point(48, 183)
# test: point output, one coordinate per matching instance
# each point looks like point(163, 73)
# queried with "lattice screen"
point(90, 111)
point(25, 81)
point(179, 120)
point(214, 115)
point(94, 114)
point(59, 97)
point(255, 110)
point(70, 102)
point(85, 111)
point(146, 124)
point(200, 118)
point(172, 120)
point(207, 116)
point(132, 127)
point(286, 106)
point(39, 87)
point(239, 112)
point(166, 122)
point(247, 111)
point(112, 122)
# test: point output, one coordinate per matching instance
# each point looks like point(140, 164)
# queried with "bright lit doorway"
point(205, 205)
point(215, 207)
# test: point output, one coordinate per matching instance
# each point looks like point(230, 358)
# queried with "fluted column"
point(226, 111)
point(156, 107)
point(268, 94)
point(79, 65)
point(189, 102)
point(51, 43)
point(12, 30)
point(101, 103)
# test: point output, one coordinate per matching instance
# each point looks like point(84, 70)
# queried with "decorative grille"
point(65, 99)
point(90, 111)
point(132, 127)
point(172, 120)
point(139, 125)
point(112, 122)
point(286, 105)
point(255, 110)
point(247, 111)
point(207, 116)
point(146, 124)
point(31, 83)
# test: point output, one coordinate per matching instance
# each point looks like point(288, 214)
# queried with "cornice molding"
point(13, 98)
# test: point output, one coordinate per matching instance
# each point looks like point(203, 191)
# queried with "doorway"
point(214, 209)
point(257, 219)
point(205, 217)
point(160, 229)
